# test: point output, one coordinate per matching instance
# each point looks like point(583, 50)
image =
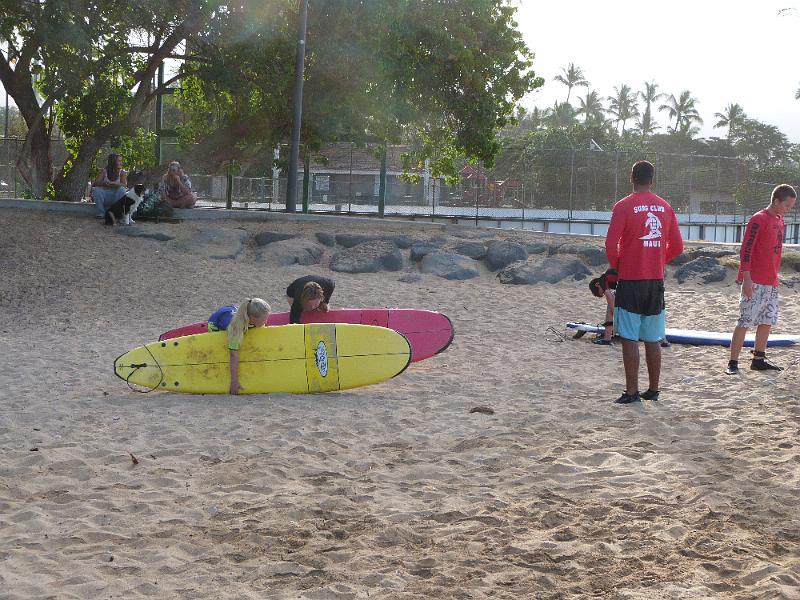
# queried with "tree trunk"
point(70, 186)
point(34, 163)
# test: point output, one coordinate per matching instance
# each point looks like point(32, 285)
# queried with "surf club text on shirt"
point(651, 207)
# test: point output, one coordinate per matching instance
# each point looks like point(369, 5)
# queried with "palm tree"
point(731, 118)
point(623, 106)
point(683, 110)
point(647, 124)
point(561, 115)
point(571, 77)
point(591, 108)
point(797, 94)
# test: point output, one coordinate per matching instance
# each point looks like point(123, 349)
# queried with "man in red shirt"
point(642, 238)
point(760, 261)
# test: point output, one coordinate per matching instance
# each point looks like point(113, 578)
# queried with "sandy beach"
point(392, 491)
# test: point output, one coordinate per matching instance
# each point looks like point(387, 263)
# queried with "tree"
point(592, 110)
point(731, 118)
point(571, 77)
point(683, 110)
point(623, 106)
point(90, 66)
point(442, 76)
point(650, 95)
point(764, 144)
point(561, 115)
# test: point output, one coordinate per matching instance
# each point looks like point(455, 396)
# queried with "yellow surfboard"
point(290, 358)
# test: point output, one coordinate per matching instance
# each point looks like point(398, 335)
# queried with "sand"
point(390, 491)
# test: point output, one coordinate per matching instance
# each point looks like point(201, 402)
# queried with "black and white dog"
point(123, 208)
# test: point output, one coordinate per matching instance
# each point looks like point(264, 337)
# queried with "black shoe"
point(650, 395)
point(762, 364)
point(627, 398)
point(601, 341)
point(733, 367)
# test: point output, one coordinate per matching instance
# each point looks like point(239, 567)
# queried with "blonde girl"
point(253, 312)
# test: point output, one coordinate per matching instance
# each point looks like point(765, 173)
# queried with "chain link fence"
point(549, 190)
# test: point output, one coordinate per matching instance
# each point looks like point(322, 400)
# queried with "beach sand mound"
point(400, 490)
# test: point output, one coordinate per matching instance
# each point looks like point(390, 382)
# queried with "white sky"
point(735, 51)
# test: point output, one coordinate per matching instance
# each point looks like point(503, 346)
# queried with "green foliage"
point(433, 74)
point(16, 124)
point(93, 62)
point(138, 151)
point(764, 144)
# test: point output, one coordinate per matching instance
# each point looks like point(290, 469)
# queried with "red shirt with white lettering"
point(761, 248)
point(643, 236)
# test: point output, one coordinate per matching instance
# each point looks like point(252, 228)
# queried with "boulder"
point(368, 257)
point(449, 265)
point(294, 251)
point(590, 254)
point(213, 243)
point(350, 240)
point(420, 249)
point(268, 237)
point(474, 250)
point(705, 267)
point(550, 270)
point(502, 254)
point(693, 253)
point(326, 239)
point(537, 247)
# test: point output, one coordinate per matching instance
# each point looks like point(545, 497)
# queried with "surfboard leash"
point(551, 334)
point(139, 366)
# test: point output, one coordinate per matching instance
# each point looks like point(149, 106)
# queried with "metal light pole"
point(297, 104)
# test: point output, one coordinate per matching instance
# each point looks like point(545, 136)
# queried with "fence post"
point(350, 182)
point(716, 202)
point(571, 179)
point(382, 184)
point(476, 205)
point(306, 181)
point(229, 188)
point(433, 196)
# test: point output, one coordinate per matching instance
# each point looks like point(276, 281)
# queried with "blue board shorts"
point(639, 310)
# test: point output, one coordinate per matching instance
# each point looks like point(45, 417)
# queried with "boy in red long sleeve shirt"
point(642, 238)
point(760, 261)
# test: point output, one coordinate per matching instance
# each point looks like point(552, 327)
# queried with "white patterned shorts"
point(761, 309)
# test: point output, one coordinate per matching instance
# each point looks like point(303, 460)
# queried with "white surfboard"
point(701, 338)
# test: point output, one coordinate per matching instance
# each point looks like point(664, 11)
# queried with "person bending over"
point(309, 293)
point(603, 287)
point(237, 320)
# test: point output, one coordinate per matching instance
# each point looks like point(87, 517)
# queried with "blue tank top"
point(222, 317)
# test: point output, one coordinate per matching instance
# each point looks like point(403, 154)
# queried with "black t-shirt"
point(296, 288)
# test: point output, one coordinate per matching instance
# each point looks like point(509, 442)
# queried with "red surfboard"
point(428, 332)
